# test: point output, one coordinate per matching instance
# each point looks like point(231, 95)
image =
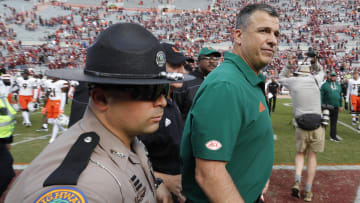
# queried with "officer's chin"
point(151, 129)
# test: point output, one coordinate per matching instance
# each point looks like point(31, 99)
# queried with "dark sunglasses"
point(148, 92)
point(138, 92)
point(209, 58)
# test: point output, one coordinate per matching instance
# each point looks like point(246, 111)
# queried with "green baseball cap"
point(332, 74)
point(207, 51)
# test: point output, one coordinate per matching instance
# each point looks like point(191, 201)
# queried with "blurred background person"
point(208, 60)
point(273, 88)
point(164, 144)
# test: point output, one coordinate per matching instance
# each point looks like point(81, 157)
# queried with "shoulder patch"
point(213, 145)
point(75, 161)
point(62, 195)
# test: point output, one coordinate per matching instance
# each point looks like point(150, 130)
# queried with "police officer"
point(7, 121)
point(7, 124)
point(99, 159)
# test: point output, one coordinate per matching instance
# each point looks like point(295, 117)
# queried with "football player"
point(27, 93)
point(56, 98)
point(354, 97)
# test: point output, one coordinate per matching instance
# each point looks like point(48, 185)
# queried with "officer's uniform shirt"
point(113, 174)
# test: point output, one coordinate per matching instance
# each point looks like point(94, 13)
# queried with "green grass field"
point(345, 152)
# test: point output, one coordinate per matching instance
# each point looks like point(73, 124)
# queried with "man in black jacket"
point(273, 89)
point(208, 60)
point(164, 144)
point(344, 85)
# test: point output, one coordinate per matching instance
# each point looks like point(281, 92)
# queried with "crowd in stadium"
point(332, 30)
point(311, 37)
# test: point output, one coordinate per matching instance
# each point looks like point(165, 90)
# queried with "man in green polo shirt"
point(227, 146)
point(331, 99)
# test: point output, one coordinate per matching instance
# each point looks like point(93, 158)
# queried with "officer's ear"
point(99, 98)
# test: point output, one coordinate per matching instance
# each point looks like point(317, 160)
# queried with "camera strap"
point(317, 84)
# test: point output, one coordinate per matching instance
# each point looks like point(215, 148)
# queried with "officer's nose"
point(161, 101)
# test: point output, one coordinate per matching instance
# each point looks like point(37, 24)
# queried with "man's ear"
point(237, 36)
point(99, 98)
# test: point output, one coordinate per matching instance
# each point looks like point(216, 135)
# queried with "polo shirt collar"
point(249, 74)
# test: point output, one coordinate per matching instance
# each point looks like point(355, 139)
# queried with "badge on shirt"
point(62, 194)
point(213, 145)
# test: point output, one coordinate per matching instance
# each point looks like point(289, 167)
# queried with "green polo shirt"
point(331, 94)
point(229, 121)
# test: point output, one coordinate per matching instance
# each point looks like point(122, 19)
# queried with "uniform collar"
point(108, 141)
point(249, 74)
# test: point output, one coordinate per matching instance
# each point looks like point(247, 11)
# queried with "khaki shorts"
point(313, 140)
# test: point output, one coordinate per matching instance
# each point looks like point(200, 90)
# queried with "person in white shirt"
point(354, 97)
point(56, 97)
point(27, 93)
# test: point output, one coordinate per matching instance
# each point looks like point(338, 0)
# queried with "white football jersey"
point(26, 86)
point(46, 83)
point(54, 89)
point(353, 87)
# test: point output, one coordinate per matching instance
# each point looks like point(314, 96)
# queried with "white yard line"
point(30, 139)
point(348, 126)
point(357, 199)
point(20, 166)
